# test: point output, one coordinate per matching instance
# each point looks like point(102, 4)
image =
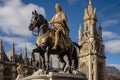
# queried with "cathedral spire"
point(1, 46)
point(25, 52)
point(13, 52)
point(90, 12)
point(25, 55)
point(80, 34)
point(1, 49)
point(90, 1)
point(13, 47)
point(90, 9)
point(91, 63)
point(100, 31)
point(90, 20)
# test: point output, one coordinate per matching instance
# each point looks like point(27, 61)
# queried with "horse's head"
point(35, 20)
point(38, 21)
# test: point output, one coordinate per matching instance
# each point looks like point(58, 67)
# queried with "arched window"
point(7, 74)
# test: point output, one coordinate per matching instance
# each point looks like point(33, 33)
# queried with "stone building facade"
point(9, 61)
point(91, 56)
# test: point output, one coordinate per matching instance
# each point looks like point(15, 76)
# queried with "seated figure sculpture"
point(60, 25)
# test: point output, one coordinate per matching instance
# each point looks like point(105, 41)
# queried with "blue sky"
point(15, 16)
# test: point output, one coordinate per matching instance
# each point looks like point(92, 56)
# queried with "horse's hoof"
point(75, 72)
point(70, 72)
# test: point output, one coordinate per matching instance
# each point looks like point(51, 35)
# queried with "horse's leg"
point(75, 58)
point(43, 60)
point(41, 53)
point(69, 56)
point(34, 50)
point(47, 59)
point(60, 57)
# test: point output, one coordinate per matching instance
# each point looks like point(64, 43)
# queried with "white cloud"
point(112, 22)
point(110, 35)
point(20, 43)
point(15, 16)
point(112, 42)
point(113, 46)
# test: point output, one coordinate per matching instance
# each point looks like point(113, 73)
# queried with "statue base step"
point(55, 76)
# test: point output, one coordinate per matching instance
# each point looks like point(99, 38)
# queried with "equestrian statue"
point(54, 40)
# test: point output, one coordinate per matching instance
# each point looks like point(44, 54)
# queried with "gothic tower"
point(91, 55)
point(13, 68)
point(1, 59)
point(26, 60)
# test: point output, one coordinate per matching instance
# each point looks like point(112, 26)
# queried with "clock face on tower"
point(85, 48)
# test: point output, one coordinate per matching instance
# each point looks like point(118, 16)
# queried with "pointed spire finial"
point(80, 27)
point(1, 45)
point(90, 1)
point(80, 33)
point(1, 49)
point(1, 41)
point(13, 45)
point(25, 52)
point(100, 26)
point(13, 51)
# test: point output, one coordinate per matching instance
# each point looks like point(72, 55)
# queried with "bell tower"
point(91, 55)
point(90, 20)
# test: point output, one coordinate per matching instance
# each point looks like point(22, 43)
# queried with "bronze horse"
point(45, 41)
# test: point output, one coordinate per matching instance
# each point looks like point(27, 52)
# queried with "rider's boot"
point(54, 47)
point(56, 40)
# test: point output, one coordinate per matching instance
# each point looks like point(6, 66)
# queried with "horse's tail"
point(75, 58)
point(79, 46)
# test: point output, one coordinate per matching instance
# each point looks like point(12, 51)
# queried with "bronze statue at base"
point(20, 71)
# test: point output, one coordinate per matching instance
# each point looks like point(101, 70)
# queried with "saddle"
point(64, 41)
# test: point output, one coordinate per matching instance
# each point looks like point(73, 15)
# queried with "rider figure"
point(59, 22)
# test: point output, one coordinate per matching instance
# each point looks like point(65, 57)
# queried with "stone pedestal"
point(19, 77)
point(55, 76)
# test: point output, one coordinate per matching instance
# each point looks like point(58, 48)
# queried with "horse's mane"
point(43, 19)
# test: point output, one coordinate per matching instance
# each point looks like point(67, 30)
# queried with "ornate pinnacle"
point(1, 46)
point(80, 27)
point(90, 1)
point(13, 46)
point(25, 52)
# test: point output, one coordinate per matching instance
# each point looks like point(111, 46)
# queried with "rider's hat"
point(57, 6)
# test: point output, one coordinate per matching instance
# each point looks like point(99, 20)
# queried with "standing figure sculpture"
point(20, 69)
point(59, 22)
